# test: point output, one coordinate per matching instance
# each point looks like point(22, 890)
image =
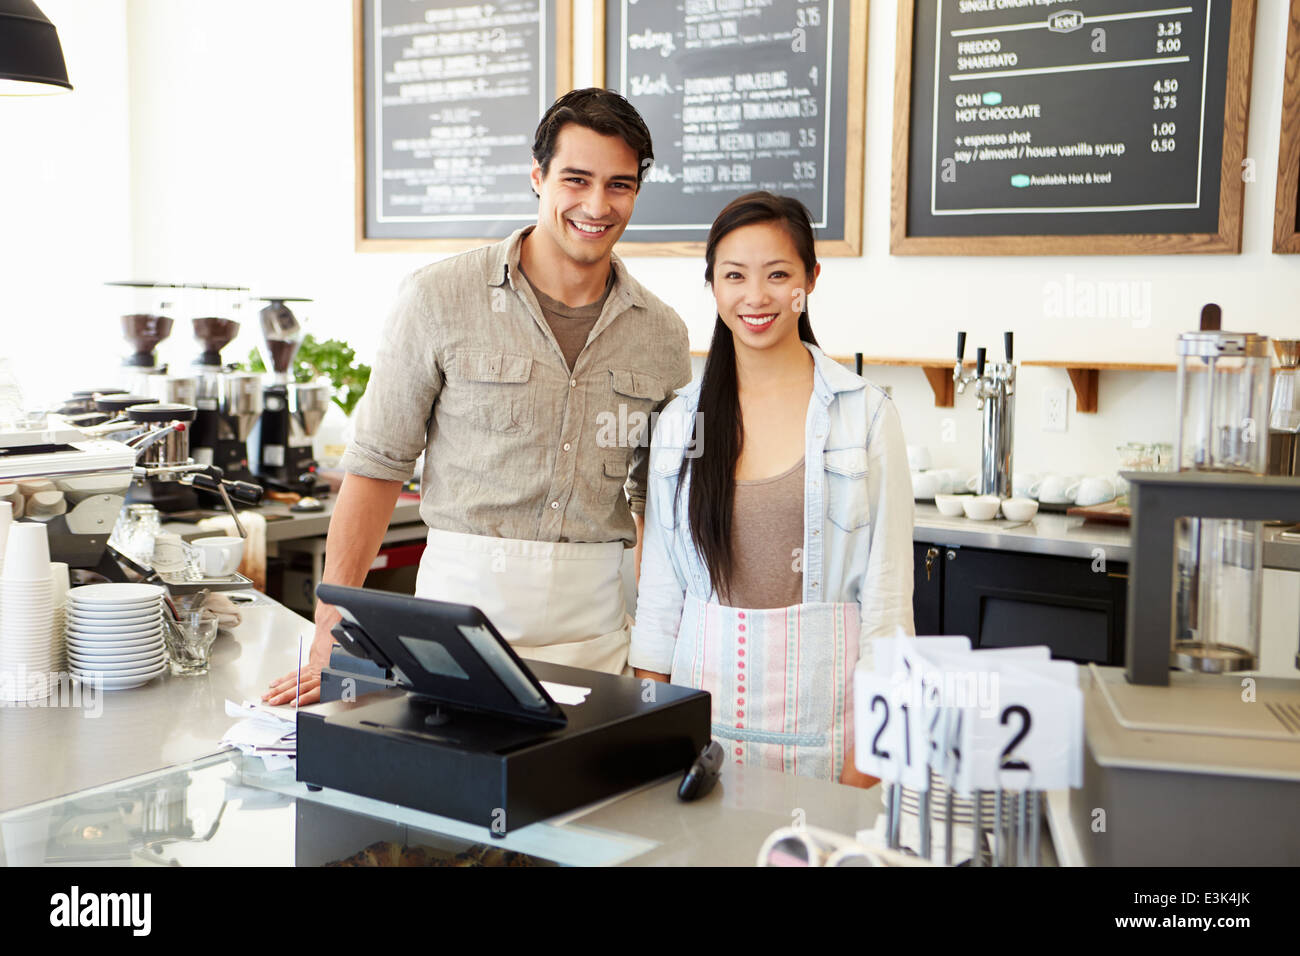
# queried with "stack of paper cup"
point(26, 595)
point(60, 582)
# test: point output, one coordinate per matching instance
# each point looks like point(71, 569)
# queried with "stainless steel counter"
point(1054, 534)
point(1067, 537)
point(49, 750)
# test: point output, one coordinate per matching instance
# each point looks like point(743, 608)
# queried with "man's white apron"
point(561, 603)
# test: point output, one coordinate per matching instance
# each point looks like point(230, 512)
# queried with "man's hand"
point(653, 675)
point(282, 690)
point(361, 514)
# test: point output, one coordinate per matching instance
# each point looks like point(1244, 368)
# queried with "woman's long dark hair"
point(713, 469)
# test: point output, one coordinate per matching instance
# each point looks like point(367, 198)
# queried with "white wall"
point(65, 207)
point(241, 139)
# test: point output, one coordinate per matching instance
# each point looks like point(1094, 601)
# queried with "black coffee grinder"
point(229, 402)
point(292, 411)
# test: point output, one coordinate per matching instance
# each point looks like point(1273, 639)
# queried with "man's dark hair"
point(604, 111)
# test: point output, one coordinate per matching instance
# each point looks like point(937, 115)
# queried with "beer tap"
point(995, 388)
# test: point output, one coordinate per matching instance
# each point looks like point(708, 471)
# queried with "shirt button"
point(740, 690)
point(740, 713)
point(741, 665)
point(739, 751)
point(567, 446)
point(816, 531)
point(741, 639)
point(740, 627)
point(740, 614)
point(554, 505)
point(739, 725)
point(573, 383)
point(814, 584)
point(740, 653)
point(740, 700)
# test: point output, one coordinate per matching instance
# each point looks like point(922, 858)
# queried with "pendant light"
point(31, 59)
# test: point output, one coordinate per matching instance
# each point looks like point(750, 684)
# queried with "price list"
point(739, 95)
point(454, 93)
point(1041, 117)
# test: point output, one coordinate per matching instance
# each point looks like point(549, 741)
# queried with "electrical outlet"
point(1054, 401)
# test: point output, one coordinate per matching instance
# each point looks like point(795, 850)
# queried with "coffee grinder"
point(292, 410)
point(145, 325)
point(229, 402)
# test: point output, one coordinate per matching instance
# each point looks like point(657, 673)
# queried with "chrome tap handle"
point(961, 347)
point(980, 355)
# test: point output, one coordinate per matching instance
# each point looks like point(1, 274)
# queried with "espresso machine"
point(229, 402)
point(292, 411)
point(995, 396)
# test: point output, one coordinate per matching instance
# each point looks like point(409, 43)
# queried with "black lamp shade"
point(31, 59)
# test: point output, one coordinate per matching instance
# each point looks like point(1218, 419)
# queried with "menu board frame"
point(1227, 239)
point(1286, 236)
point(563, 14)
point(855, 158)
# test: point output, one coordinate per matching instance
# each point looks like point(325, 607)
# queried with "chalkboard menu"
point(1286, 220)
point(1071, 126)
point(448, 97)
point(739, 96)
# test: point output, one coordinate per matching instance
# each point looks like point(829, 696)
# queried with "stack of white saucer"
point(28, 661)
point(115, 634)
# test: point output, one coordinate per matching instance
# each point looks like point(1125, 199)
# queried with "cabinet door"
point(1003, 599)
point(927, 588)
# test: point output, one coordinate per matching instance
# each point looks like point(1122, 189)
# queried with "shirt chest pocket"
point(665, 469)
point(635, 396)
point(848, 506)
point(490, 390)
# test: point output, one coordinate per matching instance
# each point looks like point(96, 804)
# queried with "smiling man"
point(500, 365)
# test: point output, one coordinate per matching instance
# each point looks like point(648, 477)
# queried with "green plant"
point(331, 359)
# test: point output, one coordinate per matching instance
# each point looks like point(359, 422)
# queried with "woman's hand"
point(652, 675)
point(850, 776)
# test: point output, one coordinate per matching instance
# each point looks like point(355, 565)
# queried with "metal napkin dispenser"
point(471, 732)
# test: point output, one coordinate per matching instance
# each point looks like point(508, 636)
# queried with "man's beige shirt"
point(515, 445)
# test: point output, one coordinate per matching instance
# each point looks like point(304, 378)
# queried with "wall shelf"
point(1084, 376)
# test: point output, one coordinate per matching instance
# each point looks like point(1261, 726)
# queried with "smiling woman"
point(774, 550)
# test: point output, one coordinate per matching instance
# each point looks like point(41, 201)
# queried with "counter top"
point(306, 524)
point(49, 750)
point(1069, 537)
point(1046, 533)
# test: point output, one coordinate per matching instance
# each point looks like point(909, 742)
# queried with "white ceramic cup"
point(219, 557)
point(981, 507)
point(1056, 489)
point(925, 484)
point(1019, 509)
point(918, 458)
point(1021, 483)
point(1095, 491)
point(169, 553)
point(46, 504)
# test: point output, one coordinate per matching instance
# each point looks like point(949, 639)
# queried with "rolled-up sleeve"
point(391, 422)
point(886, 595)
point(661, 591)
point(678, 376)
